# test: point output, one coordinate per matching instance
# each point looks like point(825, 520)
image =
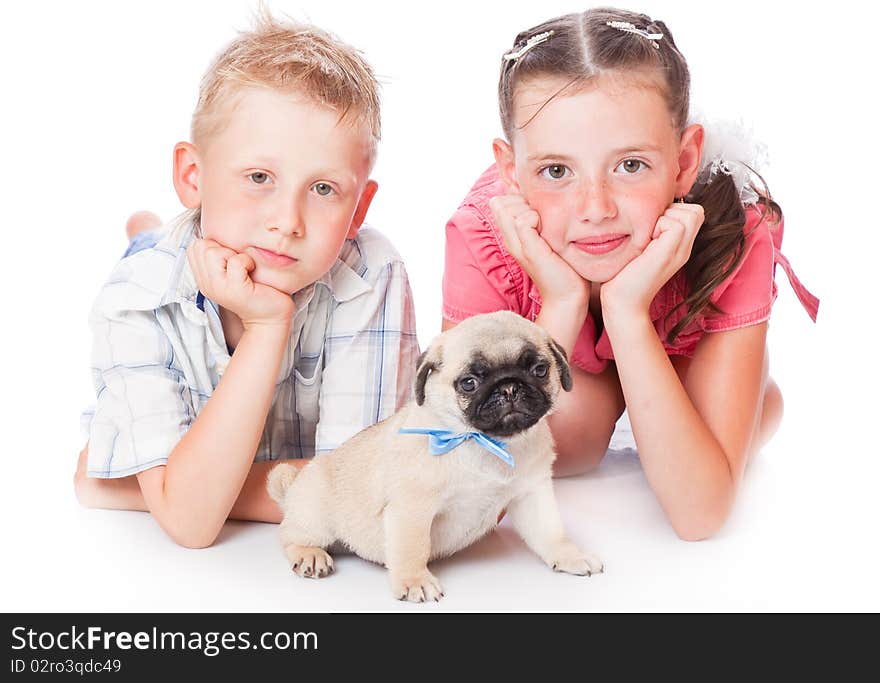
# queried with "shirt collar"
point(343, 281)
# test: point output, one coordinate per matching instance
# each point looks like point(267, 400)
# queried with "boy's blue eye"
point(322, 189)
point(554, 171)
point(631, 166)
point(259, 177)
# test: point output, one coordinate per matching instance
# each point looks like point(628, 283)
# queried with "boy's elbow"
point(194, 542)
point(81, 488)
point(82, 493)
point(183, 527)
point(192, 537)
point(185, 522)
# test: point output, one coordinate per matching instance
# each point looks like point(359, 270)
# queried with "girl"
point(653, 270)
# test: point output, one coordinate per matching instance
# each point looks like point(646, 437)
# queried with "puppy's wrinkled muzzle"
point(509, 407)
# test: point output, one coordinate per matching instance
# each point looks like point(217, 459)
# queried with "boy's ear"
point(360, 213)
point(506, 164)
point(689, 155)
point(187, 174)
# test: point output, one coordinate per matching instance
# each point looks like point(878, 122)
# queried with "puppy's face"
point(496, 373)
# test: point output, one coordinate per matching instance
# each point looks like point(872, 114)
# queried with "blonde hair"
point(290, 57)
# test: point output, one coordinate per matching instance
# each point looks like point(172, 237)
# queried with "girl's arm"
point(253, 503)
point(693, 431)
point(584, 418)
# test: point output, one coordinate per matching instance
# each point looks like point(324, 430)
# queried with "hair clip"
point(536, 39)
point(630, 28)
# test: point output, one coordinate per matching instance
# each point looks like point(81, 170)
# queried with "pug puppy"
point(386, 496)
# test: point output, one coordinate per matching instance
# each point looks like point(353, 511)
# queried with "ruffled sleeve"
point(478, 276)
point(747, 295)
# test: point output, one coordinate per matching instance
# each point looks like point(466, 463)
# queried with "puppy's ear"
point(427, 363)
point(561, 364)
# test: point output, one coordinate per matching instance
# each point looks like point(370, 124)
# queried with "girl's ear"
point(187, 175)
point(360, 213)
point(689, 155)
point(506, 164)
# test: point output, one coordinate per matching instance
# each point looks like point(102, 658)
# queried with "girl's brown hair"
point(584, 46)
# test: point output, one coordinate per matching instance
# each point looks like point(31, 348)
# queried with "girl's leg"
point(770, 415)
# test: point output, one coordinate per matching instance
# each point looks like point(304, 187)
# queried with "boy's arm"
point(193, 494)
point(253, 503)
point(196, 468)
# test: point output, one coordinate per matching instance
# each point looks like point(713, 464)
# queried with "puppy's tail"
point(279, 479)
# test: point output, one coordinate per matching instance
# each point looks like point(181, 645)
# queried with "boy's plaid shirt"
point(159, 351)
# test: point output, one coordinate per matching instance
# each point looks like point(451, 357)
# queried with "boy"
point(264, 322)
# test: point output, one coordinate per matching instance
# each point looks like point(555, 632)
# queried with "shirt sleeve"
point(476, 277)
point(370, 359)
point(143, 405)
point(746, 296)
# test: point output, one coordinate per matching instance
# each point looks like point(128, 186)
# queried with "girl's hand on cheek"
point(223, 276)
point(555, 279)
point(633, 289)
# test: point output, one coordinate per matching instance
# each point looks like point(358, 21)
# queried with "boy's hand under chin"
point(632, 290)
point(223, 276)
point(519, 225)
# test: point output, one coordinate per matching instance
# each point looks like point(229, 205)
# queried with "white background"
point(95, 94)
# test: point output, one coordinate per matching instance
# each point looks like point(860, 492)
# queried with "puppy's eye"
point(468, 384)
point(540, 370)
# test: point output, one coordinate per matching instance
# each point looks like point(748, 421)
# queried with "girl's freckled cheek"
point(553, 212)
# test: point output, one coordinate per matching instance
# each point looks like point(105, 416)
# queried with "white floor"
point(783, 549)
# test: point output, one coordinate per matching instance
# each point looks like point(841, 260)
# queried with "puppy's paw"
point(309, 562)
point(418, 587)
point(572, 560)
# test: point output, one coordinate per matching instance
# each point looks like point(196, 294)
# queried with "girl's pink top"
point(481, 277)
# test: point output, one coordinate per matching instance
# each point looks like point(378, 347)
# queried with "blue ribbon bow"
point(444, 440)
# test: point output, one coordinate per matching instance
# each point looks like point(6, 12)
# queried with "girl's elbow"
point(574, 461)
point(702, 525)
point(696, 532)
point(579, 450)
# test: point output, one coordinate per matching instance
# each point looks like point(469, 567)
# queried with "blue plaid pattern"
point(159, 351)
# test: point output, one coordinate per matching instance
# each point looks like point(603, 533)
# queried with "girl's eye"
point(322, 189)
point(468, 384)
point(259, 177)
point(554, 171)
point(631, 166)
